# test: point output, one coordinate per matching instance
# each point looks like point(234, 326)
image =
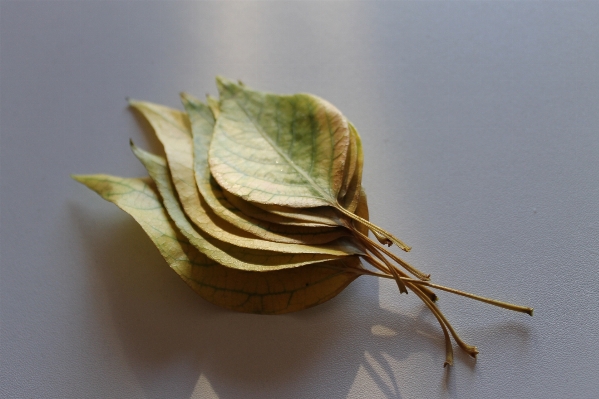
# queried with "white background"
point(480, 123)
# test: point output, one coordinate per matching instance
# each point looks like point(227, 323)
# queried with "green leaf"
point(172, 128)
point(348, 196)
point(275, 292)
point(312, 217)
point(279, 150)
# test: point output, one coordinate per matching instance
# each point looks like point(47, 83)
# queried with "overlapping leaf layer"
point(259, 204)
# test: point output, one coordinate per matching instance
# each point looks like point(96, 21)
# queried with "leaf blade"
point(280, 150)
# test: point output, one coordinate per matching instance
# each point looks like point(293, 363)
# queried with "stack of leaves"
point(259, 205)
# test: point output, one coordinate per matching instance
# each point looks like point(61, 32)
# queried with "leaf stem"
point(390, 238)
point(431, 306)
point(368, 258)
point(501, 304)
point(396, 258)
point(367, 272)
point(432, 296)
point(392, 269)
point(470, 349)
point(419, 288)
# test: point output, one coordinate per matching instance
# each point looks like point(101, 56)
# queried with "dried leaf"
point(326, 215)
point(352, 197)
point(224, 253)
point(291, 169)
point(275, 292)
point(288, 219)
point(282, 150)
point(173, 130)
point(202, 123)
point(279, 150)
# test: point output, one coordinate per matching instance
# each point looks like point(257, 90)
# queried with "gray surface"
point(481, 135)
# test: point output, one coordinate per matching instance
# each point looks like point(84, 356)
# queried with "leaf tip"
point(87, 180)
point(186, 98)
point(133, 147)
point(138, 152)
point(227, 85)
point(78, 178)
point(132, 102)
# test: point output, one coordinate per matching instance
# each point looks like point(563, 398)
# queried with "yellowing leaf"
point(350, 162)
point(348, 196)
point(275, 292)
point(202, 122)
point(279, 150)
point(282, 150)
point(173, 130)
point(354, 189)
point(311, 217)
point(224, 253)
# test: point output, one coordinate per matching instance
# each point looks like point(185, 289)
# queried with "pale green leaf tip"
point(221, 80)
point(145, 155)
point(136, 150)
point(135, 103)
point(189, 100)
point(86, 180)
point(185, 97)
point(225, 84)
point(79, 178)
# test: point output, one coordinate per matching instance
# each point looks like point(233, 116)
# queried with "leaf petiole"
point(390, 254)
point(389, 238)
point(501, 304)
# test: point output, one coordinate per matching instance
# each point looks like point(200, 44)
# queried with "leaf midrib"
point(304, 175)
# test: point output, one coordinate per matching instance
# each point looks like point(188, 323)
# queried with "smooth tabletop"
point(480, 128)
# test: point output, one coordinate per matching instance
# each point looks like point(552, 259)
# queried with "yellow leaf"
point(224, 253)
point(275, 292)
